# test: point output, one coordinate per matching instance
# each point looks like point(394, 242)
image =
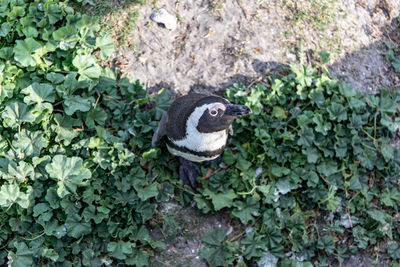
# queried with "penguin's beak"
point(237, 110)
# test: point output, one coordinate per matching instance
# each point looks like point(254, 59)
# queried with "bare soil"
point(218, 43)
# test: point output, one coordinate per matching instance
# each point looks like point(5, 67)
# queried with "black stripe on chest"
point(212, 153)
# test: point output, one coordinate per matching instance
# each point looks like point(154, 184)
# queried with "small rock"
point(162, 16)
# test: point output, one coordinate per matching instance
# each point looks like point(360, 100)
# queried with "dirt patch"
point(218, 43)
point(182, 229)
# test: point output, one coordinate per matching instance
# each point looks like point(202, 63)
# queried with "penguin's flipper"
point(161, 130)
point(188, 172)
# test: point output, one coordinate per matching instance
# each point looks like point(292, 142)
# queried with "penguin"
point(196, 127)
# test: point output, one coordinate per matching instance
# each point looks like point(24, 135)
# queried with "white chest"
point(200, 142)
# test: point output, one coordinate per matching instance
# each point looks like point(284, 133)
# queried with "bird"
point(196, 127)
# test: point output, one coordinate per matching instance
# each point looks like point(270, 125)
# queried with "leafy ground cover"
point(312, 173)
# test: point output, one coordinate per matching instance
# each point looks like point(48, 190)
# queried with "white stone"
point(162, 16)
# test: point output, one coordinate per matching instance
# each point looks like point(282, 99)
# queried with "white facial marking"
point(213, 110)
point(197, 141)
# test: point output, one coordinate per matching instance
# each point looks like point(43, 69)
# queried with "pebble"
point(162, 16)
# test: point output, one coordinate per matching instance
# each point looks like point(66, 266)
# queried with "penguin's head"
point(214, 114)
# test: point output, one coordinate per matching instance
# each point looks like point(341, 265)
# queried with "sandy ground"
point(218, 43)
point(213, 47)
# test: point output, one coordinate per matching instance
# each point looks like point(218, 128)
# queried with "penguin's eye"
point(213, 112)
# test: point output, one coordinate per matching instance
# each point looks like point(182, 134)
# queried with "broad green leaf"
point(53, 228)
point(242, 164)
point(66, 36)
point(394, 250)
point(4, 29)
point(30, 143)
point(120, 250)
point(10, 194)
point(327, 168)
point(97, 115)
point(279, 112)
point(22, 257)
point(246, 210)
point(145, 191)
point(323, 126)
point(106, 45)
point(20, 173)
point(38, 93)
point(69, 174)
point(24, 51)
point(76, 227)
point(215, 238)
point(221, 200)
point(50, 254)
point(53, 12)
point(391, 197)
point(306, 137)
point(64, 127)
point(77, 103)
point(396, 64)
point(87, 67)
point(163, 102)
point(15, 113)
point(337, 112)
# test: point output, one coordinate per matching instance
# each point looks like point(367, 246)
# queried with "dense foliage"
point(72, 187)
point(312, 172)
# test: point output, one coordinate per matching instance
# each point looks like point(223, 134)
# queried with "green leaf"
point(4, 29)
point(53, 228)
point(120, 249)
point(53, 12)
point(10, 194)
point(394, 250)
point(106, 45)
point(40, 208)
point(16, 113)
point(242, 164)
point(163, 102)
point(69, 174)
point(337, 112)
point(216, 252)
point(24, 52)
point(215, 237)
point(97, 115)
point(145, 191)
point(29, 143)
point(66, 36)
point(324, 57)
point(64, 128)
point(50, 254)
point(323, 126)
point(255, 245)
point(221, 200)
point(396, 64)
point(390, 197)
point(306, 137)
point(23, 257)
point(77, 103)
point(327, 168)
point(37, 93)
point(20, 173)
point(279, 112)
point(387, 103)
point(76, 227)
point(87, 67)
point(246, 210)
